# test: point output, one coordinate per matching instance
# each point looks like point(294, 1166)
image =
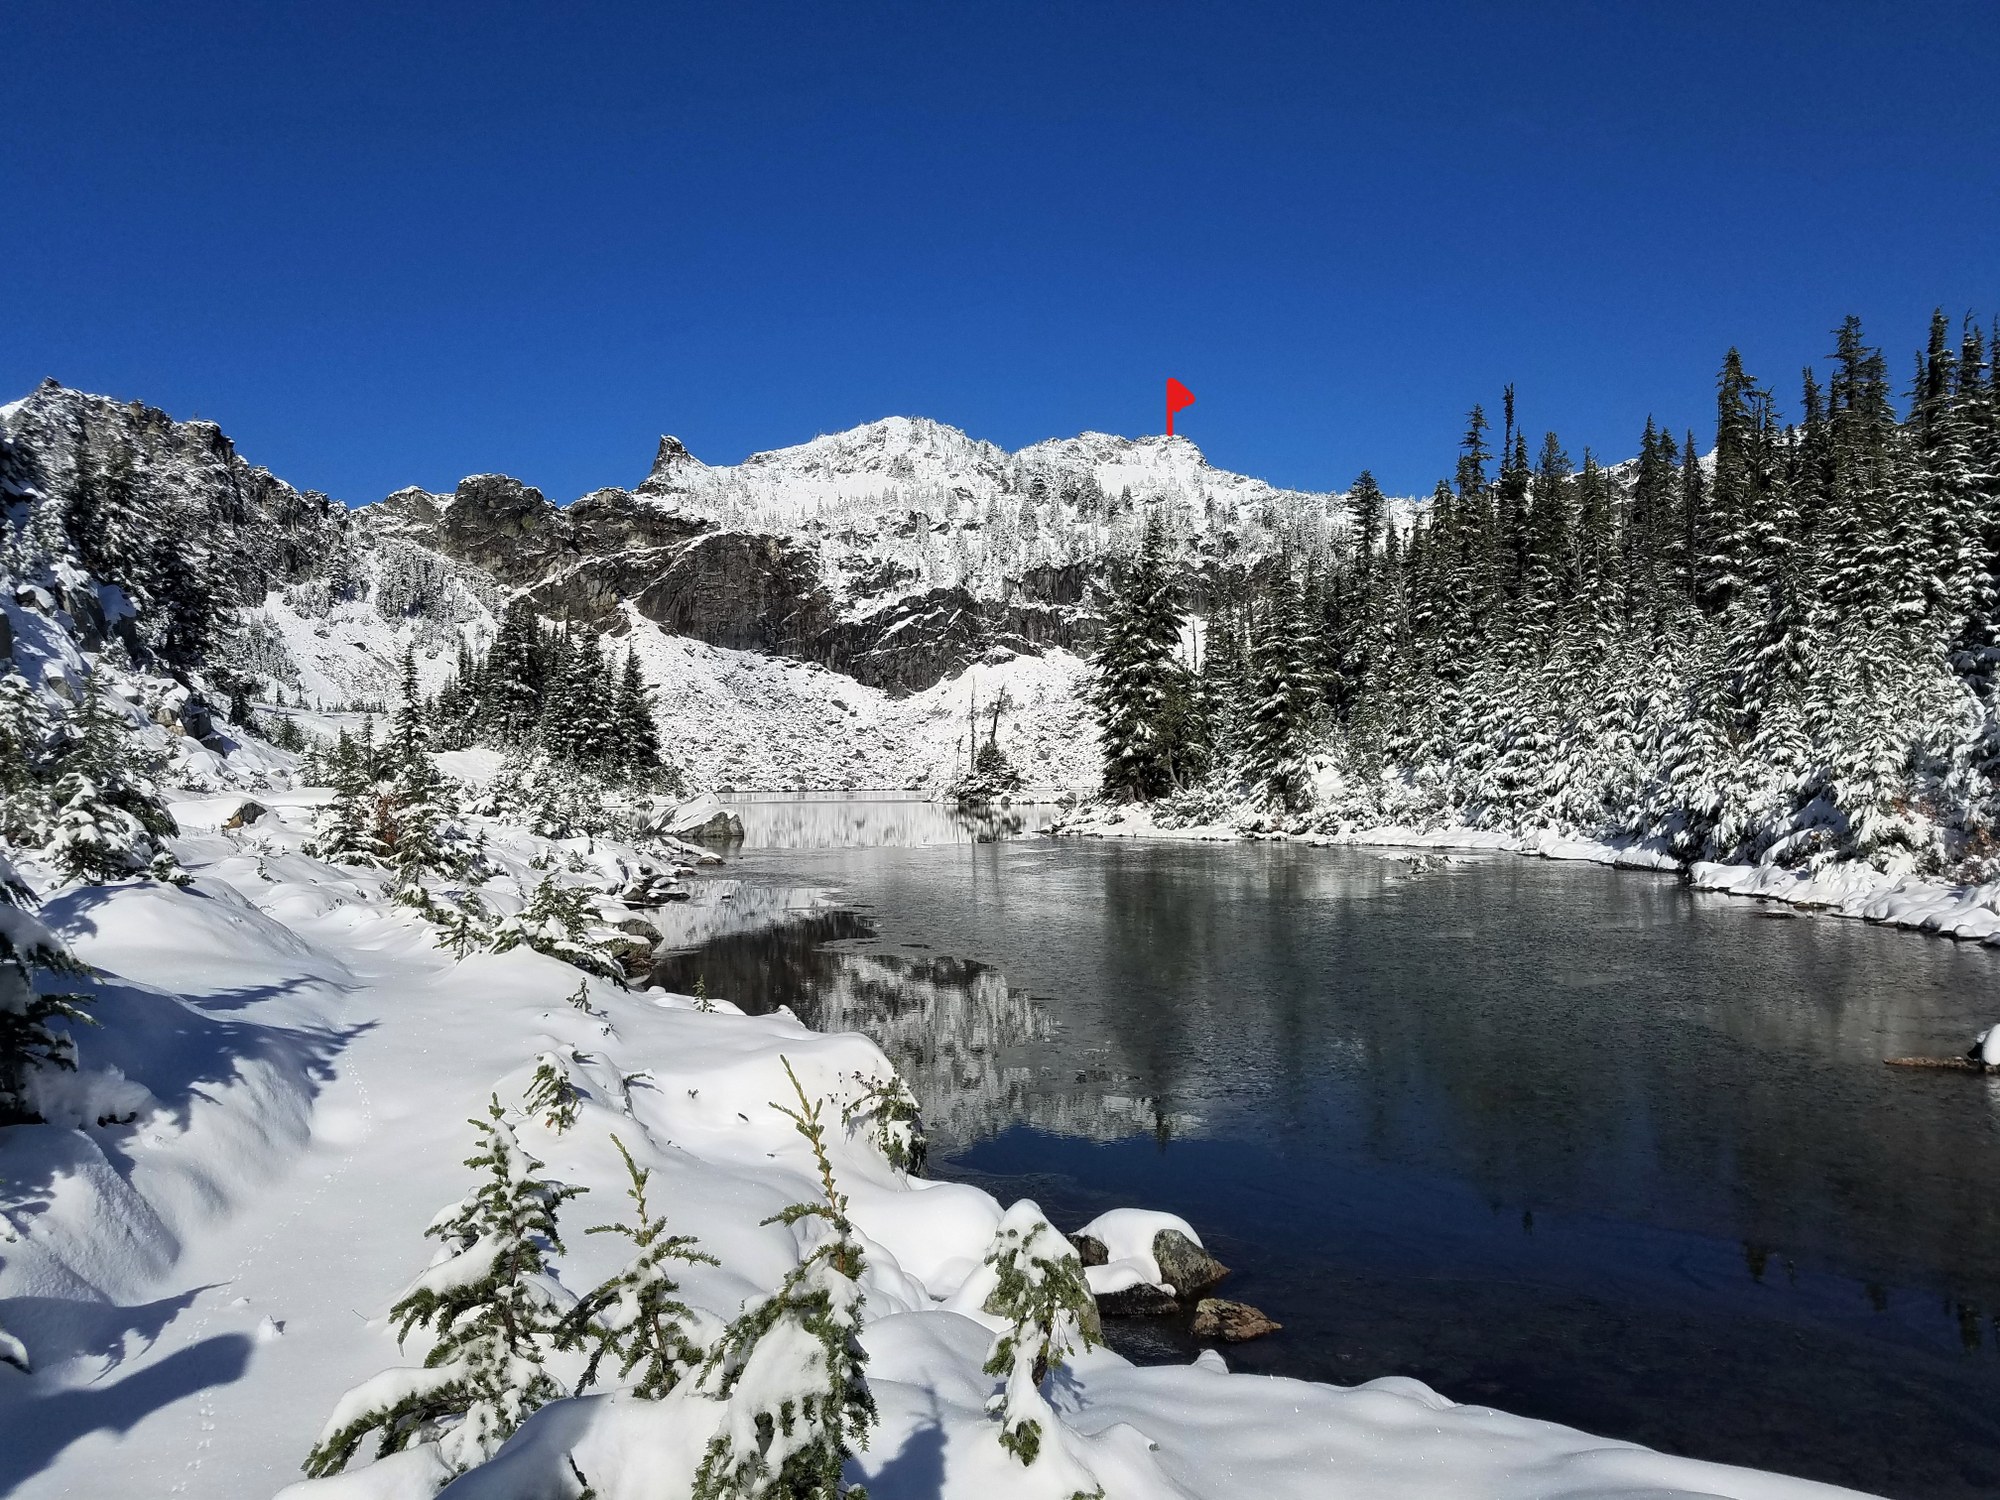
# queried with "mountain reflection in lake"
point(1575, 1142)
point(968, 1044)
point(820, 820)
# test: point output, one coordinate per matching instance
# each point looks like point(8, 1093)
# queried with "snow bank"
point(215, 1271)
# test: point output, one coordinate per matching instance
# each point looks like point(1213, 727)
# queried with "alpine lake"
point(1579, 1143)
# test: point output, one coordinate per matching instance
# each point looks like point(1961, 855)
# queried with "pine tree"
point(1281, 711)
point(493, 1309)
point(31, 957)
point(417, 801)
point(636, 1317)
point(791, 1367)
point(26, 743)
point(637, 735)
point(1050, 1313)
point(1140, 692)
point(561, 921)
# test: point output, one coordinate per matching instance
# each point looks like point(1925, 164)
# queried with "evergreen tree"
point(561, 921)
point(636, 1318)
point(791, 1366)
point(1050, 1313)
point(493, 1309)
point(1281, 711)
point(31, 957)
point(636, 735)
point(1140, 690)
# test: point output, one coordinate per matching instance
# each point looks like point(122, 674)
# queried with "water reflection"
point(975, 1050)
point(1577, 1142)
point(818, 820)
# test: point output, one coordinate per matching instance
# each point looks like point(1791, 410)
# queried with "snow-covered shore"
point(1910, 902)
point(204, 1255)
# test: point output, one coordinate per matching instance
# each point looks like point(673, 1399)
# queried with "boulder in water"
point(1184, 1265)
point(1231, 1322)
point(704, 818)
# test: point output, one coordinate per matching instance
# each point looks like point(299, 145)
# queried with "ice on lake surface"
point(1578, 1143)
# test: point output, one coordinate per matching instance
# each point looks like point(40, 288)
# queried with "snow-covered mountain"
point(824, 614)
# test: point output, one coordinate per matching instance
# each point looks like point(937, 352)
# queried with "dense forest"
point(1784, 651)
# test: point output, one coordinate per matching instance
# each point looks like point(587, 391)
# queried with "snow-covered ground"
point(740, 719)
point(201, 1276)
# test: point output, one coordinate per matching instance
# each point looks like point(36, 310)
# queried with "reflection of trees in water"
point(777, 822)
point(954, 1028)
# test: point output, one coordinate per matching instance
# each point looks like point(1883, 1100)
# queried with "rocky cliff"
point(898, 553)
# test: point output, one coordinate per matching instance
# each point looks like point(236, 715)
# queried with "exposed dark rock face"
point(1141, 1301)
point(754, 593)
point(213, 526)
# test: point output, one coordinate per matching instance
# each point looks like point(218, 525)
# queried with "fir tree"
point(493, 1309)
point(636, 1318)
point(1140, 692)
point(561, 921)
point(1050, 1313)
point(791, 1366)
point(31, 958)
point(1281, 709)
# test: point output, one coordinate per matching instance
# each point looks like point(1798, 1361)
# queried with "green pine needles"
point(561, 921)
point(493, 1309)
point(1050, 1312)
point(30, 957)
point(791, 1366)
point(636, 1318)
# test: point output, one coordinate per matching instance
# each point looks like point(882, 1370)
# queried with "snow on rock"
point(209, 814)
point(740, 720)
point(1127, 1235)
point(703, 817)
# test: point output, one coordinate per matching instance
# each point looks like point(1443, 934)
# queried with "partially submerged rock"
point(1184, 1265)
point(1142, 1300)
point(1231, 1322)
point(704, 818)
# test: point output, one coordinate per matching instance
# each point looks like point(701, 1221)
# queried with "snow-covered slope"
point(202, 1273)
point(816, 615)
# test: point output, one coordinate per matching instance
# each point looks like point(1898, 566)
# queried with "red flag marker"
point(1178, 396)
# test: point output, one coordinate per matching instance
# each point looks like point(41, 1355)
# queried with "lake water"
point(1577, 1143)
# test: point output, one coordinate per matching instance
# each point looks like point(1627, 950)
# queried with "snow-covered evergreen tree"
point(561, 921)
point(791, 1365)
point(1140, 691)
point(1282, 702)
point(33, 963)
point(636, 1318)
point(1050, 1314)
point(493, 1310)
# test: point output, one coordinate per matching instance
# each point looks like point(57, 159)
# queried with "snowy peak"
point(675, 470)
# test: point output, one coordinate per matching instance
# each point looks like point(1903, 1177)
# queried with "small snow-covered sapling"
point(791, 1366)
point(561, 921)
point(1050, 1314)
point(899, 1125)
point(552, 1095)
point(635, 1318)
point(494, 1309)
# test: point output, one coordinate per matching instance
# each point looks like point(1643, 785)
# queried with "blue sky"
point(396, 244)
